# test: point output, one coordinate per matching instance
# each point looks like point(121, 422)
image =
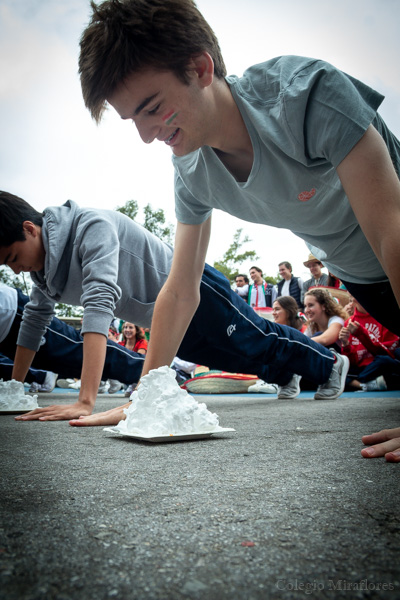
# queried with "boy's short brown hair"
point(126, 36)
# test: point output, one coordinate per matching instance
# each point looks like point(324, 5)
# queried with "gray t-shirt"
point(303, 117)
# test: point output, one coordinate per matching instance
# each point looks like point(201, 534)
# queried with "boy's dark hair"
point(246, 279)
point(287, 265)
point(13, 212)
point(126, 36)
point(256, 269)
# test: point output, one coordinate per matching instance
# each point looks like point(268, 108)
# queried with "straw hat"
point(311, 259)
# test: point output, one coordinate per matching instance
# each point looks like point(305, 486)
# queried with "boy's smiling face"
point(27, 255)
point(164, 108)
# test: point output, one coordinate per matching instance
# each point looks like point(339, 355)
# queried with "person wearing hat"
point(317, 276)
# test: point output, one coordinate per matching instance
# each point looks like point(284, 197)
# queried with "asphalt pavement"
point(284, 507)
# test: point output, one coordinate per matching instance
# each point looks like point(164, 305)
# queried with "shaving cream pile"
point(12, 396)
point(160, 407)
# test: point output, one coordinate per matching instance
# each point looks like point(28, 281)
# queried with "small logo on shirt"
point(231, 329)
point(304, 196)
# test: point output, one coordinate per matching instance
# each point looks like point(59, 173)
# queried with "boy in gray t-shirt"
point(294, 143)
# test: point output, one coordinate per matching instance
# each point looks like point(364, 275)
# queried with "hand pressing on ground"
point(109, 417)
point(57, 412)
point(384, 443)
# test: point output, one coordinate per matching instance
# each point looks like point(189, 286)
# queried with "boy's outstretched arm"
point(94, 352)
point(175, 306)
point(373, 189)
point(180, 295)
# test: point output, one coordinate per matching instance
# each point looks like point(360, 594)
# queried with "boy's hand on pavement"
point(57, 412)
point(385, 443)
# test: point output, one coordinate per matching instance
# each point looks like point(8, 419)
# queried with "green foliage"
point(66, 310)
point(232, 258)
point(273, 280)
point(154, 220)
point(130, 209)
point(9, 278)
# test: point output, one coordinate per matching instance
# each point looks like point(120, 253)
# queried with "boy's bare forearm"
point(22, 362)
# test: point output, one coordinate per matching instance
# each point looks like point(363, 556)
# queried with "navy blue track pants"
point(62, 352)
point(227, 334)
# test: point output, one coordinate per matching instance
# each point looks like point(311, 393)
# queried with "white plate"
point(176, 437)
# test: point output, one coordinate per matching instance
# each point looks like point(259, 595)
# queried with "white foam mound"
point(160, 407)
point(12, 396)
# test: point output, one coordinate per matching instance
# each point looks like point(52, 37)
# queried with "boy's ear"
point(30, 228)
point(203, 67)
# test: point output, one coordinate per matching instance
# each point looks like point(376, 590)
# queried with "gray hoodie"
point(98, 259)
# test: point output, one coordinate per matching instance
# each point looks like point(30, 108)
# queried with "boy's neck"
point(232, 143)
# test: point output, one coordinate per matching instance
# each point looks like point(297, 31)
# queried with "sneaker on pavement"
point(115, 386)
point(291, 390)
point(103, 387)
point(64, 383)
point(34, 387)
point(48, 384)
point(334, 387)
point(76, 385)
point(129, 390)
point(376, 385)
point(262, 387)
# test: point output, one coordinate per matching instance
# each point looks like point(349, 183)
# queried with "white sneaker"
point(115, 386)
point(334, 387)
point(129, 390)
point(262, 387)
point(291, 390)
point(376, 385)
point(34, 387)
point(103, 387)
point(48, 384)
point(76, 385)
point(64, 383)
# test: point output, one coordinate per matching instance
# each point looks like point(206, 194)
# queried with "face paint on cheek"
point(168, 118)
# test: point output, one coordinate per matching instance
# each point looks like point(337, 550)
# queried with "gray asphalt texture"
point(285, 507)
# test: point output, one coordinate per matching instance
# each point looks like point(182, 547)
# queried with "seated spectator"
point(325, 317)
point(318, 278)
point(372, 351)
point(334, 282)
point(114, 385)
point(261, 294)
point(290, 285)
point(242, 286)
point(133, 338)
point(286, 312)
point(349, 307)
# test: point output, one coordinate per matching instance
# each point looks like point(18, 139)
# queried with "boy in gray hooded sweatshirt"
point(110, 265)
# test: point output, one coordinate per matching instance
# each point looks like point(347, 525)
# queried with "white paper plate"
point(177, 437)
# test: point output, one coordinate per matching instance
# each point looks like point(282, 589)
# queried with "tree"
point(19, 281)
point(154, 220)
point(130, 209)
point(228, 266)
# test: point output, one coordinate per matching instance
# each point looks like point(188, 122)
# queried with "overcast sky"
point(50, 150)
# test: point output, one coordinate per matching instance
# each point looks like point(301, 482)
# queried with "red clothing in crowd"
point(372, 339)
point(140, 345)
